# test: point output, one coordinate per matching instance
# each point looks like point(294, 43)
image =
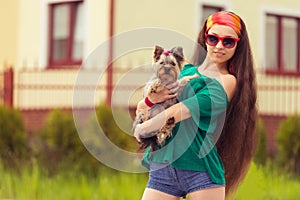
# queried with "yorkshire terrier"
point(167, 67)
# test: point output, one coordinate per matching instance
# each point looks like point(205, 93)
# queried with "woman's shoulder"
point(229, 83)
point(228, 78)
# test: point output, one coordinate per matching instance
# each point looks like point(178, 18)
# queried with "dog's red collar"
point(148, 102)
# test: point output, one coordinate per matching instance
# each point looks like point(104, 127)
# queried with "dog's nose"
point(167, 70)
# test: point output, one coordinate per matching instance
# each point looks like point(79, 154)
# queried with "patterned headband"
point(225, 18)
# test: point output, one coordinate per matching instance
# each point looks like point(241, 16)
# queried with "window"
point(282, 42)
point(205, 11)
point(66, 34)
point(208, 10)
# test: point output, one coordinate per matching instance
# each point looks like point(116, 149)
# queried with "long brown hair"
point(237, 143)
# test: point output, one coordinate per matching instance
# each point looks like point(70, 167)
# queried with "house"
point(56, 47)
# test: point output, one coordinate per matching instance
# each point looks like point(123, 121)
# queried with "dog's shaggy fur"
point(167, 67)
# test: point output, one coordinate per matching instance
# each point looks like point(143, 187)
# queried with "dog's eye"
point(162, 63)
point(173, 64)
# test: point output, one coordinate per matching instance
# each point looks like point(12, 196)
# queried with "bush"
point(63, 147)
point(261, 153)
point(288, 140)
point(113, 131)
point(14, 148)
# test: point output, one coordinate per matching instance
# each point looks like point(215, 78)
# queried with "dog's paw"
point(166, 131)
point(156, 87)
point(161, 138)
point(170, 121)
point(141, 116)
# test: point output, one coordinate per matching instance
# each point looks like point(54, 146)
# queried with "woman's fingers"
point(173, 90)
point(172, 85)
point(188, 78)
point(168, 92)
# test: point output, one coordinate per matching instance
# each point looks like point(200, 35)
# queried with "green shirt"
point(192, 144)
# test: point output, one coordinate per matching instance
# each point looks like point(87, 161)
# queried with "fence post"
point(109, 85)
point(8, 87)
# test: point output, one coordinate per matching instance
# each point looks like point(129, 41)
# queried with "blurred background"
point(44, 44)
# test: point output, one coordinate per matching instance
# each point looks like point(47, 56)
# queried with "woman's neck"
point(212, 66)
point(213, 70)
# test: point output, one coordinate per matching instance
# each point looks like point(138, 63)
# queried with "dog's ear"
point(157, 53)
point(178, 53)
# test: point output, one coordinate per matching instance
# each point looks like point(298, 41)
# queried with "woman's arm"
point(179, 111)
point(168, 92)
point(205, 106)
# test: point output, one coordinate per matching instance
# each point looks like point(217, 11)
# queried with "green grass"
point(108, 185)
point(260, 184)
point(268, 183)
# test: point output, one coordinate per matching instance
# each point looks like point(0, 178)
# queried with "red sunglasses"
point(227, 42)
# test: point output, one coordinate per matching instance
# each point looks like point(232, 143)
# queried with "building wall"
point(24, 38)
point(183, 16)
point(9, 20)
point(33, 30)
point(29, 34)
point(35, 87)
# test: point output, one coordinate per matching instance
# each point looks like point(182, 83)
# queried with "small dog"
point(167, 66)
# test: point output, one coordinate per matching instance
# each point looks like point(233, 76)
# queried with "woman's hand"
point(169, 91)
point(188, 78)
point(137, 132)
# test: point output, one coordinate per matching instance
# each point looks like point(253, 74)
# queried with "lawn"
point(268, 184)
point(108, 185)
point(260, 183)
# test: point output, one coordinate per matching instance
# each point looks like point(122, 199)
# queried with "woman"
point(214, 139)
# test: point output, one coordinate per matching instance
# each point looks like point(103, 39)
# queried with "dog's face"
point(168, 64)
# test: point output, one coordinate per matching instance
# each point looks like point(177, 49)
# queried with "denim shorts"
point(177, 182)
